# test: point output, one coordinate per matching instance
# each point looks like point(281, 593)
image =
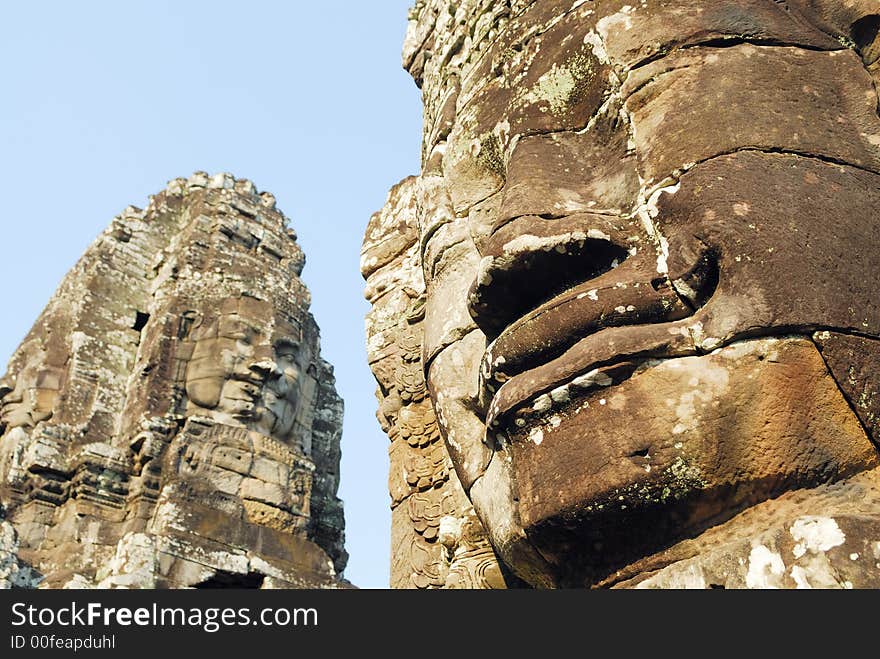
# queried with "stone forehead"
point(260, 324)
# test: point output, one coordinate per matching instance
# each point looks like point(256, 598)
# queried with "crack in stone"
point(848, 399)
point(730, 42)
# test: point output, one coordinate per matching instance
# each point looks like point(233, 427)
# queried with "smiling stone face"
point(282, 379)
point(220, 375)
point(631, 230)
point(239, 375)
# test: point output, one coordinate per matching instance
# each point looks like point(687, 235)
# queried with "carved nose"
point(264, 368)
point(523, 269)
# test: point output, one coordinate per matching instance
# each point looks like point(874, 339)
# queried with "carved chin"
point(264, 421)
point(633, 465)
point(275, 420)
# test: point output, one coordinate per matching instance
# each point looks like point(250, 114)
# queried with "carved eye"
point(286, 352)
point(242, 337)
point(287, 358)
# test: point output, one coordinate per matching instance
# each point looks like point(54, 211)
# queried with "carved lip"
point(615, 299)
point(250, 386)
point(594, 334)
point(602, 359)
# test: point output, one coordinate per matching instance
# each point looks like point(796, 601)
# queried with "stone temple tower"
point(624, 322)
point(169, 420)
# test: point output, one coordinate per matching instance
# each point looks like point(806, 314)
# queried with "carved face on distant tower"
point(637, 248)
point(240, 374)
point(276, 408)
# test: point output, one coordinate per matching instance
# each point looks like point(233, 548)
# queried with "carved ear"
point(415, 313)
point(205, 392)
point(189, 321)
point(5, 389)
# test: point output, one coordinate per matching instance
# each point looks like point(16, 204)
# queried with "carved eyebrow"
point(286, 345)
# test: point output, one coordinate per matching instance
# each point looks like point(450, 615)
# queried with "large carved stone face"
point(241, 373)
point(635, 255)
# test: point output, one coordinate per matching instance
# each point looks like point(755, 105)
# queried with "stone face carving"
point(644, 238)
point(169, 421)
point(437, 541)
point(240, 375)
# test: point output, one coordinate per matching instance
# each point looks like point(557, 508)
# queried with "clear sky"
point(101, 103)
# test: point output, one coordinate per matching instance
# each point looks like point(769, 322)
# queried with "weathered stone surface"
point(169, 421)
point(448, 323)
point(13, 573)
point(742, 216)
point(563, 173)
point(493, 496)
point(547, 80)
point(381, 245)
point(634, 34)
point(426, 494)
point(776, 213)
point(677, 446)
point(534, 267)
point(661, 217)
point(855, 23)
point(438, 542)
point(815, 103)
point(458, 399)
point(776, 545)
point(854, 361)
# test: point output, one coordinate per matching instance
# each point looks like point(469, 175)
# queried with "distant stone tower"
point(169, 421)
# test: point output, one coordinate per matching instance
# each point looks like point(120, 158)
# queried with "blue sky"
point(103, 102)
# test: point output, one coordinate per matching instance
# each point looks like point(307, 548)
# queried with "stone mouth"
point(599, 360)
point(529, 272)
point(538, 408)
point(595, 334)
